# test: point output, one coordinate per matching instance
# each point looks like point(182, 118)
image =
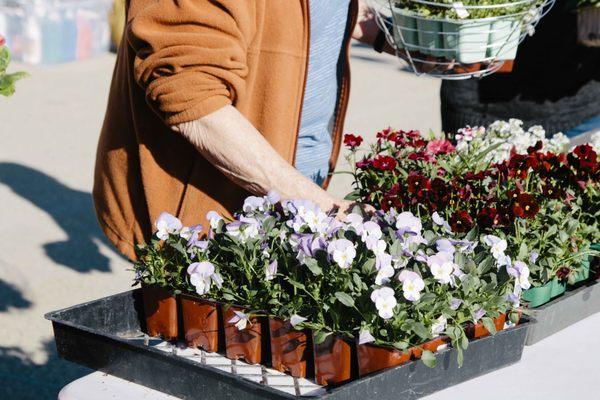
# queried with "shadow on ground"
point(71, 209)
point(11, 297)
point(22, 379)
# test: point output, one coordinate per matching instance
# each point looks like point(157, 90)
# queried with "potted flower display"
point(536, 204)
point(468, 32)
point(160, 270)
point(316, 296)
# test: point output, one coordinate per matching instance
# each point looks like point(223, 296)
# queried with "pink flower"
point(2, 40)
point(440, 146)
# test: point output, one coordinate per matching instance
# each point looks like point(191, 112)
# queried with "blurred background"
point(52, 252)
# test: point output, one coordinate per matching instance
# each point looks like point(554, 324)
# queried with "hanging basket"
point(439, 43)
point(588, 26)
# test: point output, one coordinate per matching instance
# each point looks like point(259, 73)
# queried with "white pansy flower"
point(202, 276)
point(406, 222)
point(441, 267)
point(342, 252)
point(496, 244)
point(241, 320)
point(412, 285)
point(271, 271)
point(439, 326)
point(296, 320)
point(365, 337)
point(385, 301)
point(214, 219)
point(166, 225)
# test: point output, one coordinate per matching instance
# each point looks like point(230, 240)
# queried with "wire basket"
point(450, 47)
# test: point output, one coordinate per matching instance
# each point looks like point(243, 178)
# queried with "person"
point(214, 99)
point(555, 83)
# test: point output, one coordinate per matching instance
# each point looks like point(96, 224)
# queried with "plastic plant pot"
point(557, 288)
point(373, 358)
point(200, 323)
point(539, 295)
point(333, 361)
point(504, 38)
point(244, 344)
point(430, 36)
point(588, 26)
point(160, 310)
point(406, 24)
point(290, 348)
point(476, 331)
point(433, 345)
point(467, 40)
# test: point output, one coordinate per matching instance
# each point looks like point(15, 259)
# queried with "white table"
point(101, 386)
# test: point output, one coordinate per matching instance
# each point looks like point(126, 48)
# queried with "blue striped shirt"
point(328, 19)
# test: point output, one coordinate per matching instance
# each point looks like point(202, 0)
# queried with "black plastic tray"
point(105, 335)
point(564, 311)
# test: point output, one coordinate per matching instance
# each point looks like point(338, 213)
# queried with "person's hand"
point(345, 207)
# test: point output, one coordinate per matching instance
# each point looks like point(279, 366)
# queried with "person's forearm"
point(230, 142)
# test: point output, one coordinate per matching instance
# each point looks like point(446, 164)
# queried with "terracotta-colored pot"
point(160, 309)
point(333, 361)
point(467, 68)
point(507, 67)
point(244, 344)
point(373, 358)
point(200, 323)
point(290, 348)
point(478, 330)
point(431, 345)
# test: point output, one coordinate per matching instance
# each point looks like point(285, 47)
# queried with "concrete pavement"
point(52, 254)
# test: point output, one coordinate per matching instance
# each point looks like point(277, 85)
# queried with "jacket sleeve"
point(190, 55)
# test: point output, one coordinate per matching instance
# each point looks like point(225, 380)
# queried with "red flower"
point(421, 156)
point(440, 146)
point(504, 216)
point(418, 184)
point(440, 192)
point(552, 192)
point(513, 195)
point(364, 163)
point(585, 161)
point(461, 221)
point(533, 149)
point(384, 134)
point(391, 200)
point(488, 217)
point(352, 141)
point(384, 163)
point(563, 273)
point(2, 40)
point(525, 206)
point(518, 166)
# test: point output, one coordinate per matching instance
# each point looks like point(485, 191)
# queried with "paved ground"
point(53, 255)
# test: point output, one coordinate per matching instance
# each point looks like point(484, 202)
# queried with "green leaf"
point(489, 324)
point(320, 336)
point(353, 195)
point(429, 359)
point(345, 299)
point(296, 284)
point(4, 58)
point(313, 266)
point(420, 330)
point(473, 234)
